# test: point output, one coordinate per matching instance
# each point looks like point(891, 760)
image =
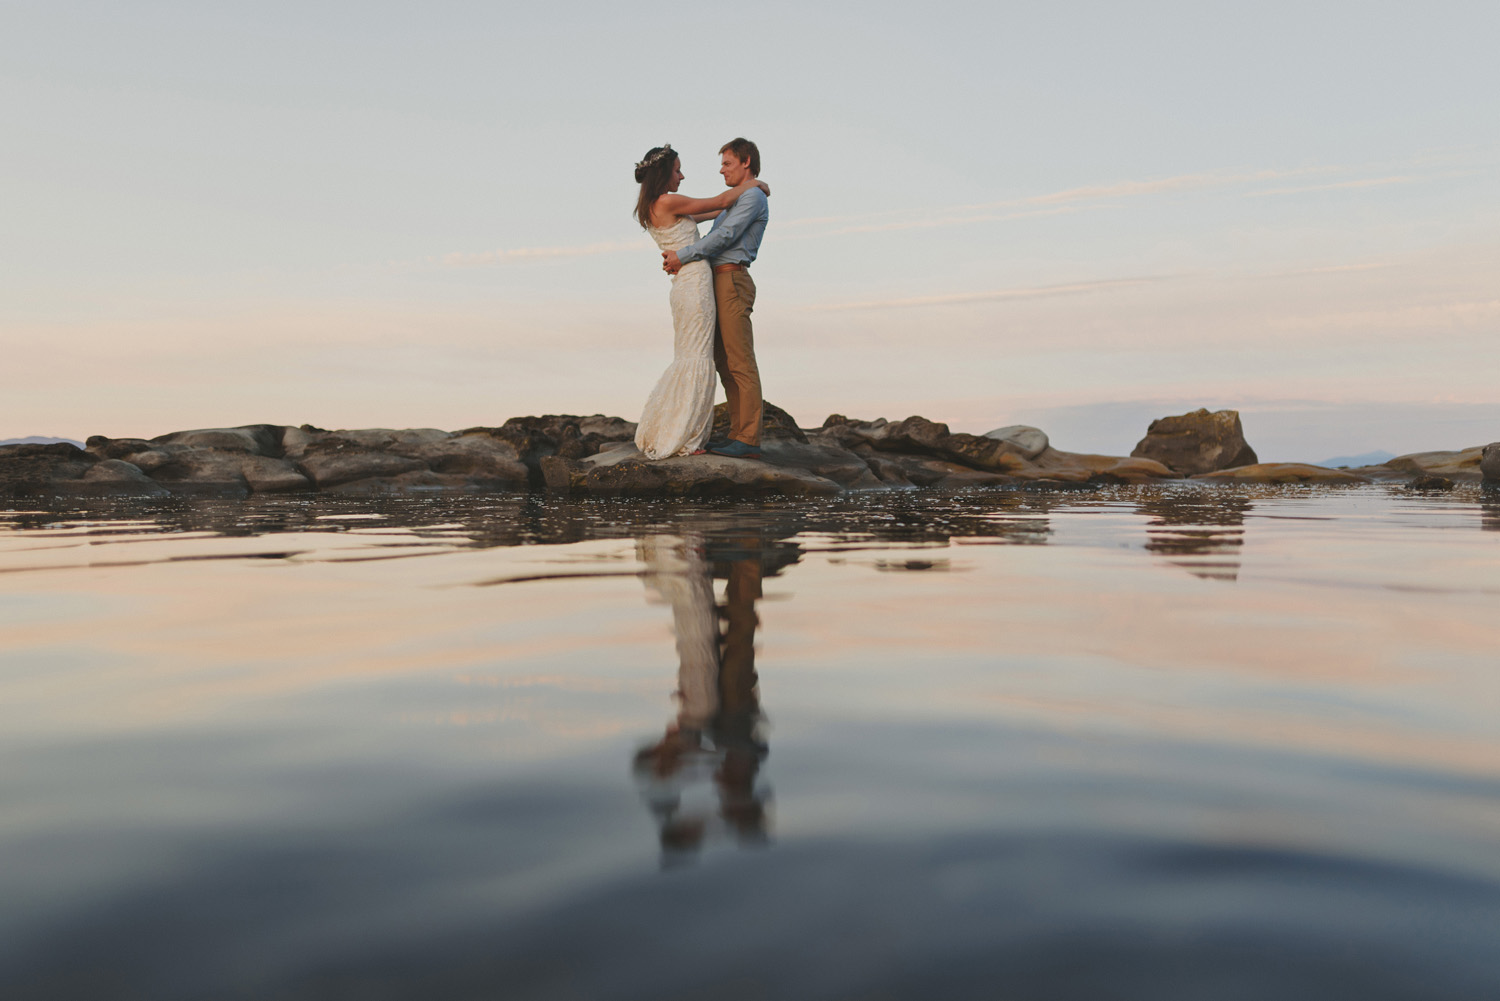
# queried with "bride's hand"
point(762, 185)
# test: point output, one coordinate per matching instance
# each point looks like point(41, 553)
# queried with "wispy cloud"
point(1047, 203)
point(937, 221)
point(992, 295)
point(1366, 182)
point(522, 254)
point(1330, 269)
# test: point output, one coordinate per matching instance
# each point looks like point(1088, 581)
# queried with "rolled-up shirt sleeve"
point(744, 211)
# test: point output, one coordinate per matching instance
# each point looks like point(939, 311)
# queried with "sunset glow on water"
point(1166, 742)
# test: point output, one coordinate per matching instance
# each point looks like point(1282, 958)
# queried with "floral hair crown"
point(652, 159)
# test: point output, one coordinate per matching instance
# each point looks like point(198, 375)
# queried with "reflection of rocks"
point(596, 456)
point(1489, 509)
point(1199, 442)
point(1201, 531)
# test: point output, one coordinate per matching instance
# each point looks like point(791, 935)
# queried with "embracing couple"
point(712, 296)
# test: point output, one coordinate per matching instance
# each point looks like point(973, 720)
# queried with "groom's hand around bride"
point(669, 262)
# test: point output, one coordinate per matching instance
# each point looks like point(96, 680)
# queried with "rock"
point(920, 436)
point(256, 439)
point(624, 472)
point(117, 478)
point(1199, 442)
point(897, 469)
point(822, 458)
point(150, 459)
point(536, 438)
point(389, 439)
point(1080, 467)
point(419, 480)
point(186, 469)
point(475, 456)
point(1461, 465)
point(1489, 462)
point(265, 475)
point(606, 428)
point(294, 440)
point(1029, 441)
point(1132, 471)
point(1430, 483)
point(116, 448)
point(42, 470)
point(886, 470)
point(1283, 472)
point(336, 459)
point(774, 423)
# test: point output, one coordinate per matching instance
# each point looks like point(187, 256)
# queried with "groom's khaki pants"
point(734, 354)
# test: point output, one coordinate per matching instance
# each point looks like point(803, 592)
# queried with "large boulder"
point(1489, 463)
point(1029, 441)
point(1199, 442)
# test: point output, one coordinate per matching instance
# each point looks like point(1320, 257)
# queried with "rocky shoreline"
point(596, 456)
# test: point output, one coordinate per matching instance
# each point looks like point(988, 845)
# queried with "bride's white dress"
point(680, 409)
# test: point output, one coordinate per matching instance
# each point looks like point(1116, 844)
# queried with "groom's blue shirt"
point(735, 236)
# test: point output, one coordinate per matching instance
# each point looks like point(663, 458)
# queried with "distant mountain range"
point(39, 440)
point(1363, 459)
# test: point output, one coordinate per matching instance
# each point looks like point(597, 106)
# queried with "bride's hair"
point(654, 173)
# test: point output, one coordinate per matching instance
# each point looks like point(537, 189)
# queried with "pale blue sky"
point(419, 214)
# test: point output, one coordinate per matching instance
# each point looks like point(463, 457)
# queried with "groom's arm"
point(728, 229)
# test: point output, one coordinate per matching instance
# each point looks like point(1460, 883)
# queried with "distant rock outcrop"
point(1199, 442)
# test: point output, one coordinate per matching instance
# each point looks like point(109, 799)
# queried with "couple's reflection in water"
point(702, 779)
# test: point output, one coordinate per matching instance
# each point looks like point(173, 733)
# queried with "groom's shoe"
point(737, 450)
point(714, 443)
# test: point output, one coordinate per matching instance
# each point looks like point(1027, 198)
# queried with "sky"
point(1078, 216)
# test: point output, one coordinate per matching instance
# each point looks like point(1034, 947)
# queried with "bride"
point(680, 409)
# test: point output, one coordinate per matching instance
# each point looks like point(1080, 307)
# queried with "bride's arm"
point(706, 208)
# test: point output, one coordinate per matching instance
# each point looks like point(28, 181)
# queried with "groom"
point(730, 248)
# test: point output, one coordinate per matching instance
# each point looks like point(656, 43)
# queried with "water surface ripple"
point(1140, 743)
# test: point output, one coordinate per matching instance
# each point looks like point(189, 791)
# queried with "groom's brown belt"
point(730, 267)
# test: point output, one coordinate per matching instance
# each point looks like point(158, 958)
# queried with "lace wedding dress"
point(680, 409)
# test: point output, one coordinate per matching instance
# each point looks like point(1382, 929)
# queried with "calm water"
point(1145, 743)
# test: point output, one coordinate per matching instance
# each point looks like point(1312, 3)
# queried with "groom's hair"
point(743, 149)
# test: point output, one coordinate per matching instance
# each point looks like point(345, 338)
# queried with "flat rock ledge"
point(596, 455)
